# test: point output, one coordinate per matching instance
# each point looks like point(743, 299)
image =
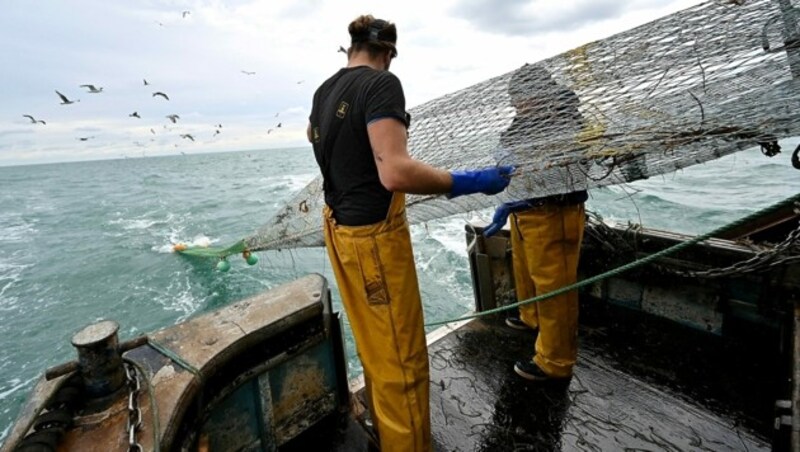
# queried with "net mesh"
point(690, 87)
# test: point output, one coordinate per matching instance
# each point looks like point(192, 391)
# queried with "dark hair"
point(376, 36)
point(533, 80)
point(546, 99)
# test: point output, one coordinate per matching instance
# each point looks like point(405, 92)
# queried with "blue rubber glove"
point(488, 181)
point(501, 216)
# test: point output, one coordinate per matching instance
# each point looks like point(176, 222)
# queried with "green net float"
point(223, 265)
point(250, 258)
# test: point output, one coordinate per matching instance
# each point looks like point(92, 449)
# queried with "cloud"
point(527, 18)
point(197, 61)
point(14, 132)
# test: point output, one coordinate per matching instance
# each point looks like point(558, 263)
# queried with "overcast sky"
point(249, 65)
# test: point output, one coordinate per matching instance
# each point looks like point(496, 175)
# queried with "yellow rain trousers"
point(545, 244)
point(374, 268)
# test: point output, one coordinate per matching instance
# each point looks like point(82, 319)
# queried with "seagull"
point(34, 121)
point(85, 138)
point(186, 135)
point(159, 93)
point(248, 73)
point(216, 132)
point(173, 118)
point(185, 13)
point(301, 81)
point(269, 131)
point(135, 114)
point(92, 88)
point(276, 114)
point(342, 49)
point(219, 126)
point(145, 82)
point(152, 131)
point(64, 100)
point(278, 126)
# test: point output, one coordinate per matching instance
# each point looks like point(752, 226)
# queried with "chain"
point(768, 258)
point(780, 254)
point(134, 412)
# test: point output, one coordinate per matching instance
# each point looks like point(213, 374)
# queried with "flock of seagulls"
point(95, 89)
point(173, 118)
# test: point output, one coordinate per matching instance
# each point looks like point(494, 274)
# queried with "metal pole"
point(790, 36)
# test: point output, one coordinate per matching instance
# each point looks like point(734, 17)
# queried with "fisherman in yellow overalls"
point(546, 231)
point(358, 128)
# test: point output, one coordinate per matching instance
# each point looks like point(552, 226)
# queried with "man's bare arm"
point(396, 169)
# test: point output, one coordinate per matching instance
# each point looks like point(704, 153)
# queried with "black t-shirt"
point(343, 106)
point(560, 113)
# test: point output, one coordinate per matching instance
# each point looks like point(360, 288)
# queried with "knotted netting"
point(690, 87)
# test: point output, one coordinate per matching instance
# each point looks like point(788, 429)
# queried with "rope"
point(628, 266)
point(174, 357)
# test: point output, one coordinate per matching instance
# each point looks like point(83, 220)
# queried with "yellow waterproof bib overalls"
point(546, 243)
point(377, 278)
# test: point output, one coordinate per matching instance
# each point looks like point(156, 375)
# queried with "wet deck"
point(641, 384)
point(629, 392)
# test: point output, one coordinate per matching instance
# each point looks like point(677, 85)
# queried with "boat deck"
point(641, 383)
point(625, 395)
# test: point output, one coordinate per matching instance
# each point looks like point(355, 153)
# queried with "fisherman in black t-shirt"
point(358, 128)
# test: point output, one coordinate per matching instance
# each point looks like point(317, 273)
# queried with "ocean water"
point(82, 242)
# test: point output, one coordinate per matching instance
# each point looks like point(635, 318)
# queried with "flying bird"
point(85, 138)
point(186, 135)
point(159, 93)
point(269, 131)
point(342, 49)
point(92, 88)
point(185, 13)
point(219, 126)
point(33, 120)
point(64, 100)
point(145, 82)
point(278, 126)
point(276, 114)
point(301, 81)
point(173, 118)
point(135, 114)
point(216, 132)
point(248, 73)
point(152, 131)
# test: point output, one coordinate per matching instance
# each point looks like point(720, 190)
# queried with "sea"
point(89, 241)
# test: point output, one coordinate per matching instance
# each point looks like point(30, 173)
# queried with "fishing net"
point(690, 87)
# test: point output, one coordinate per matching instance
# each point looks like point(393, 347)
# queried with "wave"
point(16, 229)
point(140, 223)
